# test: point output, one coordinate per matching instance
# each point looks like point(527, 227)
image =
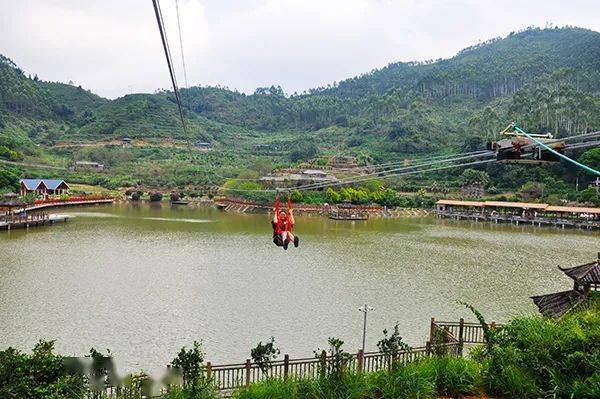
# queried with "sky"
point(113, 47)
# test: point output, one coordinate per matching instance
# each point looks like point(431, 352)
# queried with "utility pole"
point(365, 309)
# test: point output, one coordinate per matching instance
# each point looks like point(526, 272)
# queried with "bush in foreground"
point(536, 357)
point(425, 379)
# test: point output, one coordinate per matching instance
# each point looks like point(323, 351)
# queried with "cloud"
point(113, 47)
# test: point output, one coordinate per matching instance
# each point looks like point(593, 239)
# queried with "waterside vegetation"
point(530, 357)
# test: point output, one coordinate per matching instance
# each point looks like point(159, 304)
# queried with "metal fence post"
point(247, 372)
point(286, 366)
point(461, 339)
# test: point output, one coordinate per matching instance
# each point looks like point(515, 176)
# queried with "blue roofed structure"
point(43, 187)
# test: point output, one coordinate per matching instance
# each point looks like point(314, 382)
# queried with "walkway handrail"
point(231, 376)
point(460, 332)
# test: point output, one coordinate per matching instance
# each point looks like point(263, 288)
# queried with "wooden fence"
point(458, 333)
point(227, 377)
point(231, 376)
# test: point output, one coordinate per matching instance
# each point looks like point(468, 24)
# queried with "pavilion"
point(585, 278)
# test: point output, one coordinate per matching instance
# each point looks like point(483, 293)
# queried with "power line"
point(165, 43)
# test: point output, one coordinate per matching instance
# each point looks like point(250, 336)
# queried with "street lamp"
point(365, 309)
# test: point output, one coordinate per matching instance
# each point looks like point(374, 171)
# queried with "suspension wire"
point(181, 44)
point(569, 138)
point(585, 144)
point(566, 158)
point(378, 174)
point(403, 173)
point(418, 162)
point(412, 172)
point(409, 161)
point(165, 43)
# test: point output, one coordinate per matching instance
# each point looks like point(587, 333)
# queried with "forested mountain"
point(545, 79)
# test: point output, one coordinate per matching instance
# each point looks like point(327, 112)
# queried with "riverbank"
point(244, 206)
point(528, 357)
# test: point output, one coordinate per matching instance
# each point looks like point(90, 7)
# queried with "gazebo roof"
point(559, 303)
point(587, 274)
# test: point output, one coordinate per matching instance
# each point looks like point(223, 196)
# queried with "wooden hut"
point(585, 278)
point(43, 188)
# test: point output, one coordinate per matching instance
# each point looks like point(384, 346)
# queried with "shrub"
point(263, 354)
point(38, 375)
point(588, 195)
point(156, 196)
point(531, 190)
point(455, 377)
point(536, 356)
point(392, 345)
point(174, 196)
point(191, 364)
point(407, 381)
point(332, 363)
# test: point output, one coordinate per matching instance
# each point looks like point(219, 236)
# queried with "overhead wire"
point(558, 154)
point(165, 43)
point(403, 173)
point(181, 44)
point(378, 174)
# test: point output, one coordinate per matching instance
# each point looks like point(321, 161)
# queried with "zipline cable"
point(569, 138)
point(405, 173)
point(409, 161)
point(165, 43)
point(566, 158)
point(378, 174)
point(405, 163)
point(181, 44)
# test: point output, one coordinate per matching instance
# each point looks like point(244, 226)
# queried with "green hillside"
point(545, 79)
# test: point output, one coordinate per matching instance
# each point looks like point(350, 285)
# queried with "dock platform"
point(32, 221)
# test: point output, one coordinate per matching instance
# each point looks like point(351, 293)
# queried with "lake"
point(145, 280)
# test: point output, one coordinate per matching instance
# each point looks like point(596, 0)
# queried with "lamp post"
point(365, 309)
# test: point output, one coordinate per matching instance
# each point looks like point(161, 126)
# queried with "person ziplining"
point(283, 222)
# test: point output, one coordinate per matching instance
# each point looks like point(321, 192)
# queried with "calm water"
point(144, 281)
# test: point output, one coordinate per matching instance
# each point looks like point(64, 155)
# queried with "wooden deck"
point(31, 221)
point(35, 216)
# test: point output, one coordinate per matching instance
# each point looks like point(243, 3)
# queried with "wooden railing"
point(24, 218)
point(459, 333)
point(233, 376)
point(228, 377)
point(97, 197)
